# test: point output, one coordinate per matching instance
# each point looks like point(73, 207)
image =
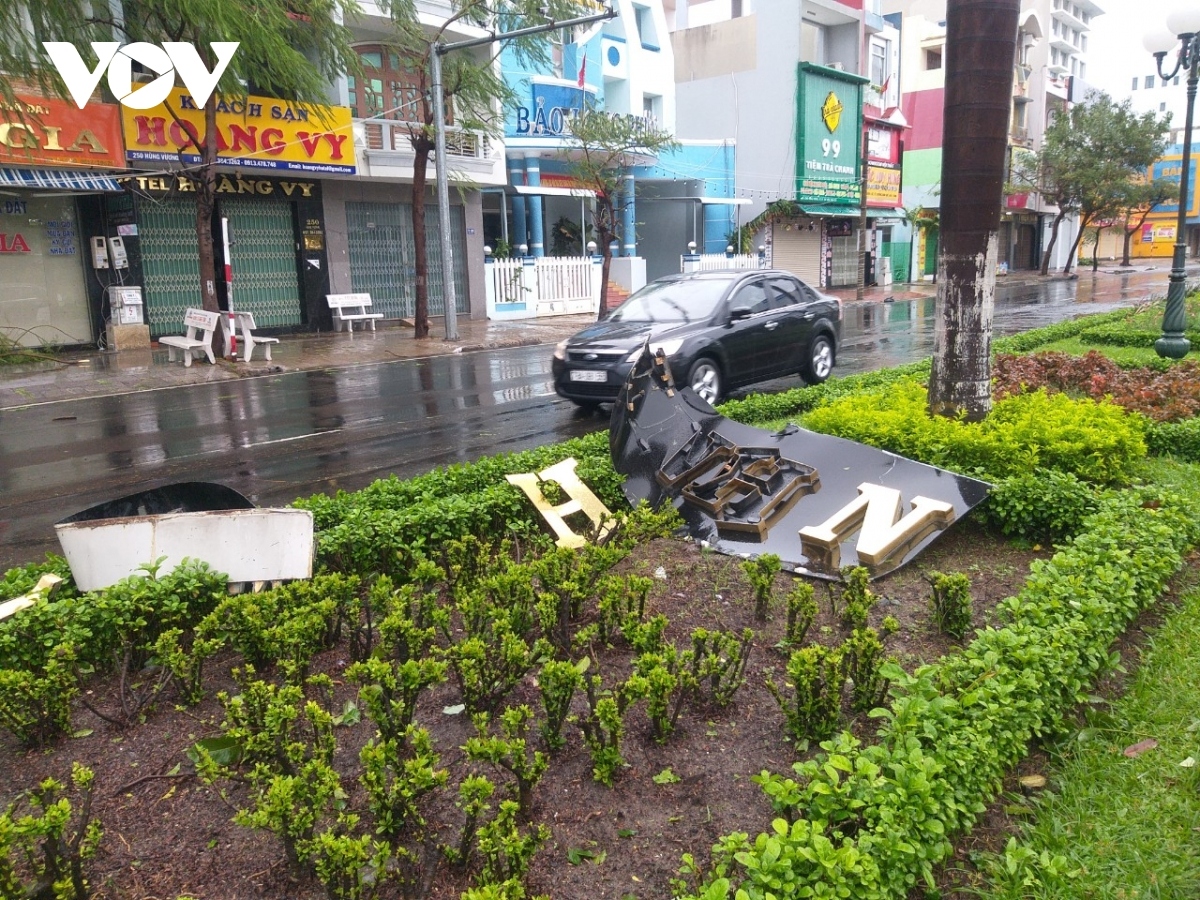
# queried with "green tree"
point(472, 89)
point(602, 149)
point(1090, 156)
point(22, 28)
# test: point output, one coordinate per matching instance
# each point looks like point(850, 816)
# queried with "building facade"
point(1049, 73)
point(785, 81)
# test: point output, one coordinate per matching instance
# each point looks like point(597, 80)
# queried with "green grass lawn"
point(1112, 826)
point(1145, 318)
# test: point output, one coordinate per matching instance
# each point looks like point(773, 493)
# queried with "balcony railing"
point(392, 135)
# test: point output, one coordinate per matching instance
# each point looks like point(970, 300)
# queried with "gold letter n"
point(876, 511)
point(582, 500)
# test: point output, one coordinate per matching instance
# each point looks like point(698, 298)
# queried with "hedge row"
point(870, 822)
point(1178, 439)
point(383, 528)
point(1116, 334)
point(454, 480)
point(1098, 442)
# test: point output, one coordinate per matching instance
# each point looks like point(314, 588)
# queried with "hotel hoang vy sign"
point(253, 132)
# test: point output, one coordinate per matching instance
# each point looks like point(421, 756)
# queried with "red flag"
point(582, 71)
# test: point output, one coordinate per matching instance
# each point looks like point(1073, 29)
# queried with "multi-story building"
point(318, 200)
point(1050, 70)
point(788, 82)
point(624, 66)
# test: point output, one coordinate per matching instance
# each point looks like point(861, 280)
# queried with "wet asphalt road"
point(292, 435)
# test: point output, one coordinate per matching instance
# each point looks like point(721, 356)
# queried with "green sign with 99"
point(828, 164)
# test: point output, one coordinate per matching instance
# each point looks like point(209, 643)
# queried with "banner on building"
point(828, 166)
point(39, 131)
point(254, 132)
point(883, 186)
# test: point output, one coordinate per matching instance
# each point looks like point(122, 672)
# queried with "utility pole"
point(439, 145)
point(862, 227)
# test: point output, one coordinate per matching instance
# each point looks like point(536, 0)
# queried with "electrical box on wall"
point(116, 247)
point(99, 253)
point(126, 303)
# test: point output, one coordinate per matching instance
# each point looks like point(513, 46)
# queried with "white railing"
point(547, 286)
point(708, 262)
point(393, 135)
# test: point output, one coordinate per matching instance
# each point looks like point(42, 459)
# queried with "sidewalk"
point(96, 373)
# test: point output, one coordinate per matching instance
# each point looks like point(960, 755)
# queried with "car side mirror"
point(739, 312)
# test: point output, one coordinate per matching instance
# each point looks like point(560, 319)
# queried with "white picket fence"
point(708, 262)
point(531, 287)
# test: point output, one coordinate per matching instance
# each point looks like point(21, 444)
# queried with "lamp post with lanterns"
point(1182, 33)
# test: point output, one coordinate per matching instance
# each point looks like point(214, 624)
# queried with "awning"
point(57, 179)
point(539, 191)
point(818, 209)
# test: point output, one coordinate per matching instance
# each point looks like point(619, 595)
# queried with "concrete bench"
point(350, 308)
point(244, 329)
point(200, 325)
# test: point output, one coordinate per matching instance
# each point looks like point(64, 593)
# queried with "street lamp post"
point(1183, 29)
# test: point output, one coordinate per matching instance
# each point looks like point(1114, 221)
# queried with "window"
point(645, 27)
point(933, 59)
point(1162, 107)
point(1176, 81)
point(752, 297)
point(390, 88)
point(1135, 83)
point(879, 63)
point(1149, 82)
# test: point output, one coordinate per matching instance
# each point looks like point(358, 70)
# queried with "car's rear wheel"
point(704, 378)
point(818, 362)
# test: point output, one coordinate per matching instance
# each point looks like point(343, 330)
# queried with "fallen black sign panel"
point(819, 503)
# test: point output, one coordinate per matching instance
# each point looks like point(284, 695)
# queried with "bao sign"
point(254, 132)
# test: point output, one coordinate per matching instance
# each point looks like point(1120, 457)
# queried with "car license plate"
point(589, 375)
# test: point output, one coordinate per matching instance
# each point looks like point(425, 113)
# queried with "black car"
point(720, 330)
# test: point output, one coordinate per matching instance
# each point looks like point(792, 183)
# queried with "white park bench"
point(200, 325)
point(351, 308)
point(244, 326)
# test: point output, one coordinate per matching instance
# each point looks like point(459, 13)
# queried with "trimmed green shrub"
point(950, 601)
point(1095, 441)
point(1042, 506)
point(1178, 439)
point(21, 580)
point(53, 838)
point(1117, 335)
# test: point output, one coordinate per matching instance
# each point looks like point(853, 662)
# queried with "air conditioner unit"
point(839, 66)
point(142, 77)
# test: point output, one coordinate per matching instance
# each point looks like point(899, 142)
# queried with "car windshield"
point(693, 300)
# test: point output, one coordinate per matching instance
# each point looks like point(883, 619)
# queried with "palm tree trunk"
point(981, 35)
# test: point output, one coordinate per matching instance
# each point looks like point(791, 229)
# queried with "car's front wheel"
point(818, 362)
point(705, 379)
